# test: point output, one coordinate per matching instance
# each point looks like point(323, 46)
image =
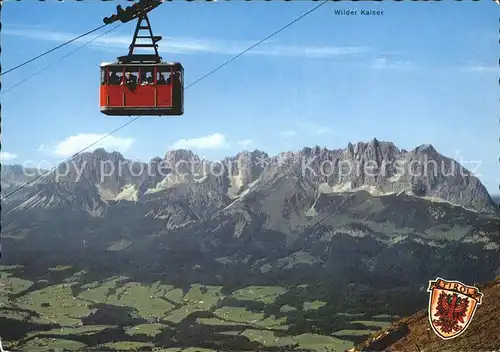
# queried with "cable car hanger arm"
point(138, 11)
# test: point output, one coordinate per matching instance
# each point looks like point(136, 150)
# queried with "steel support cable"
point(60, 59)
point(51, 50)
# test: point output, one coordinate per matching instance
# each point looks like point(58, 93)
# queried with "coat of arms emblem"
point(452, 305)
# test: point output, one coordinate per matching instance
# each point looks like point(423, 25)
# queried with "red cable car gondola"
point(141, 89)
point(141, 84)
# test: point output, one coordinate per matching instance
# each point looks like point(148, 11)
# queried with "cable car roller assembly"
point(138, 11)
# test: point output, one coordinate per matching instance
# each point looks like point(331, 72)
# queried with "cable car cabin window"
point(104, 76)
point(147, 76)
point(176, 79)
point(163, 75)
point(131, 75)
point(115, 76)
point(181, 78)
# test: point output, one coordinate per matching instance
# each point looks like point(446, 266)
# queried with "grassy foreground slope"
point(413, 334)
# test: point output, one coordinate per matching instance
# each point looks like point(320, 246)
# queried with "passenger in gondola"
point(176, 81)
point(131, 78)
point(149, 78)
point(114, 79)
point(144, 79)
point(161, 80)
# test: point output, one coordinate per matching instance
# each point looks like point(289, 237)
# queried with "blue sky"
point(421, 73)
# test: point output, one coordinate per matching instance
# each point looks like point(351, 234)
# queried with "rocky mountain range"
point(92, 180)
point(371, 218)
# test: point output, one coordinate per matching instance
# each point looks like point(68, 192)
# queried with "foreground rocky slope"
point(413, 334)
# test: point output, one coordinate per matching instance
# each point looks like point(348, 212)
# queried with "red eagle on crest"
point(452, 305)
point(451, 310)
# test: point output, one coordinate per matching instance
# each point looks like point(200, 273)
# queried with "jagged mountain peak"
point(374, 142)
point(429, 148)
point(177, 155)
point(98, 154)
point(101, 153)
point(256, 153)
point(14, 170)
point(314, 150)
point(156, 160)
